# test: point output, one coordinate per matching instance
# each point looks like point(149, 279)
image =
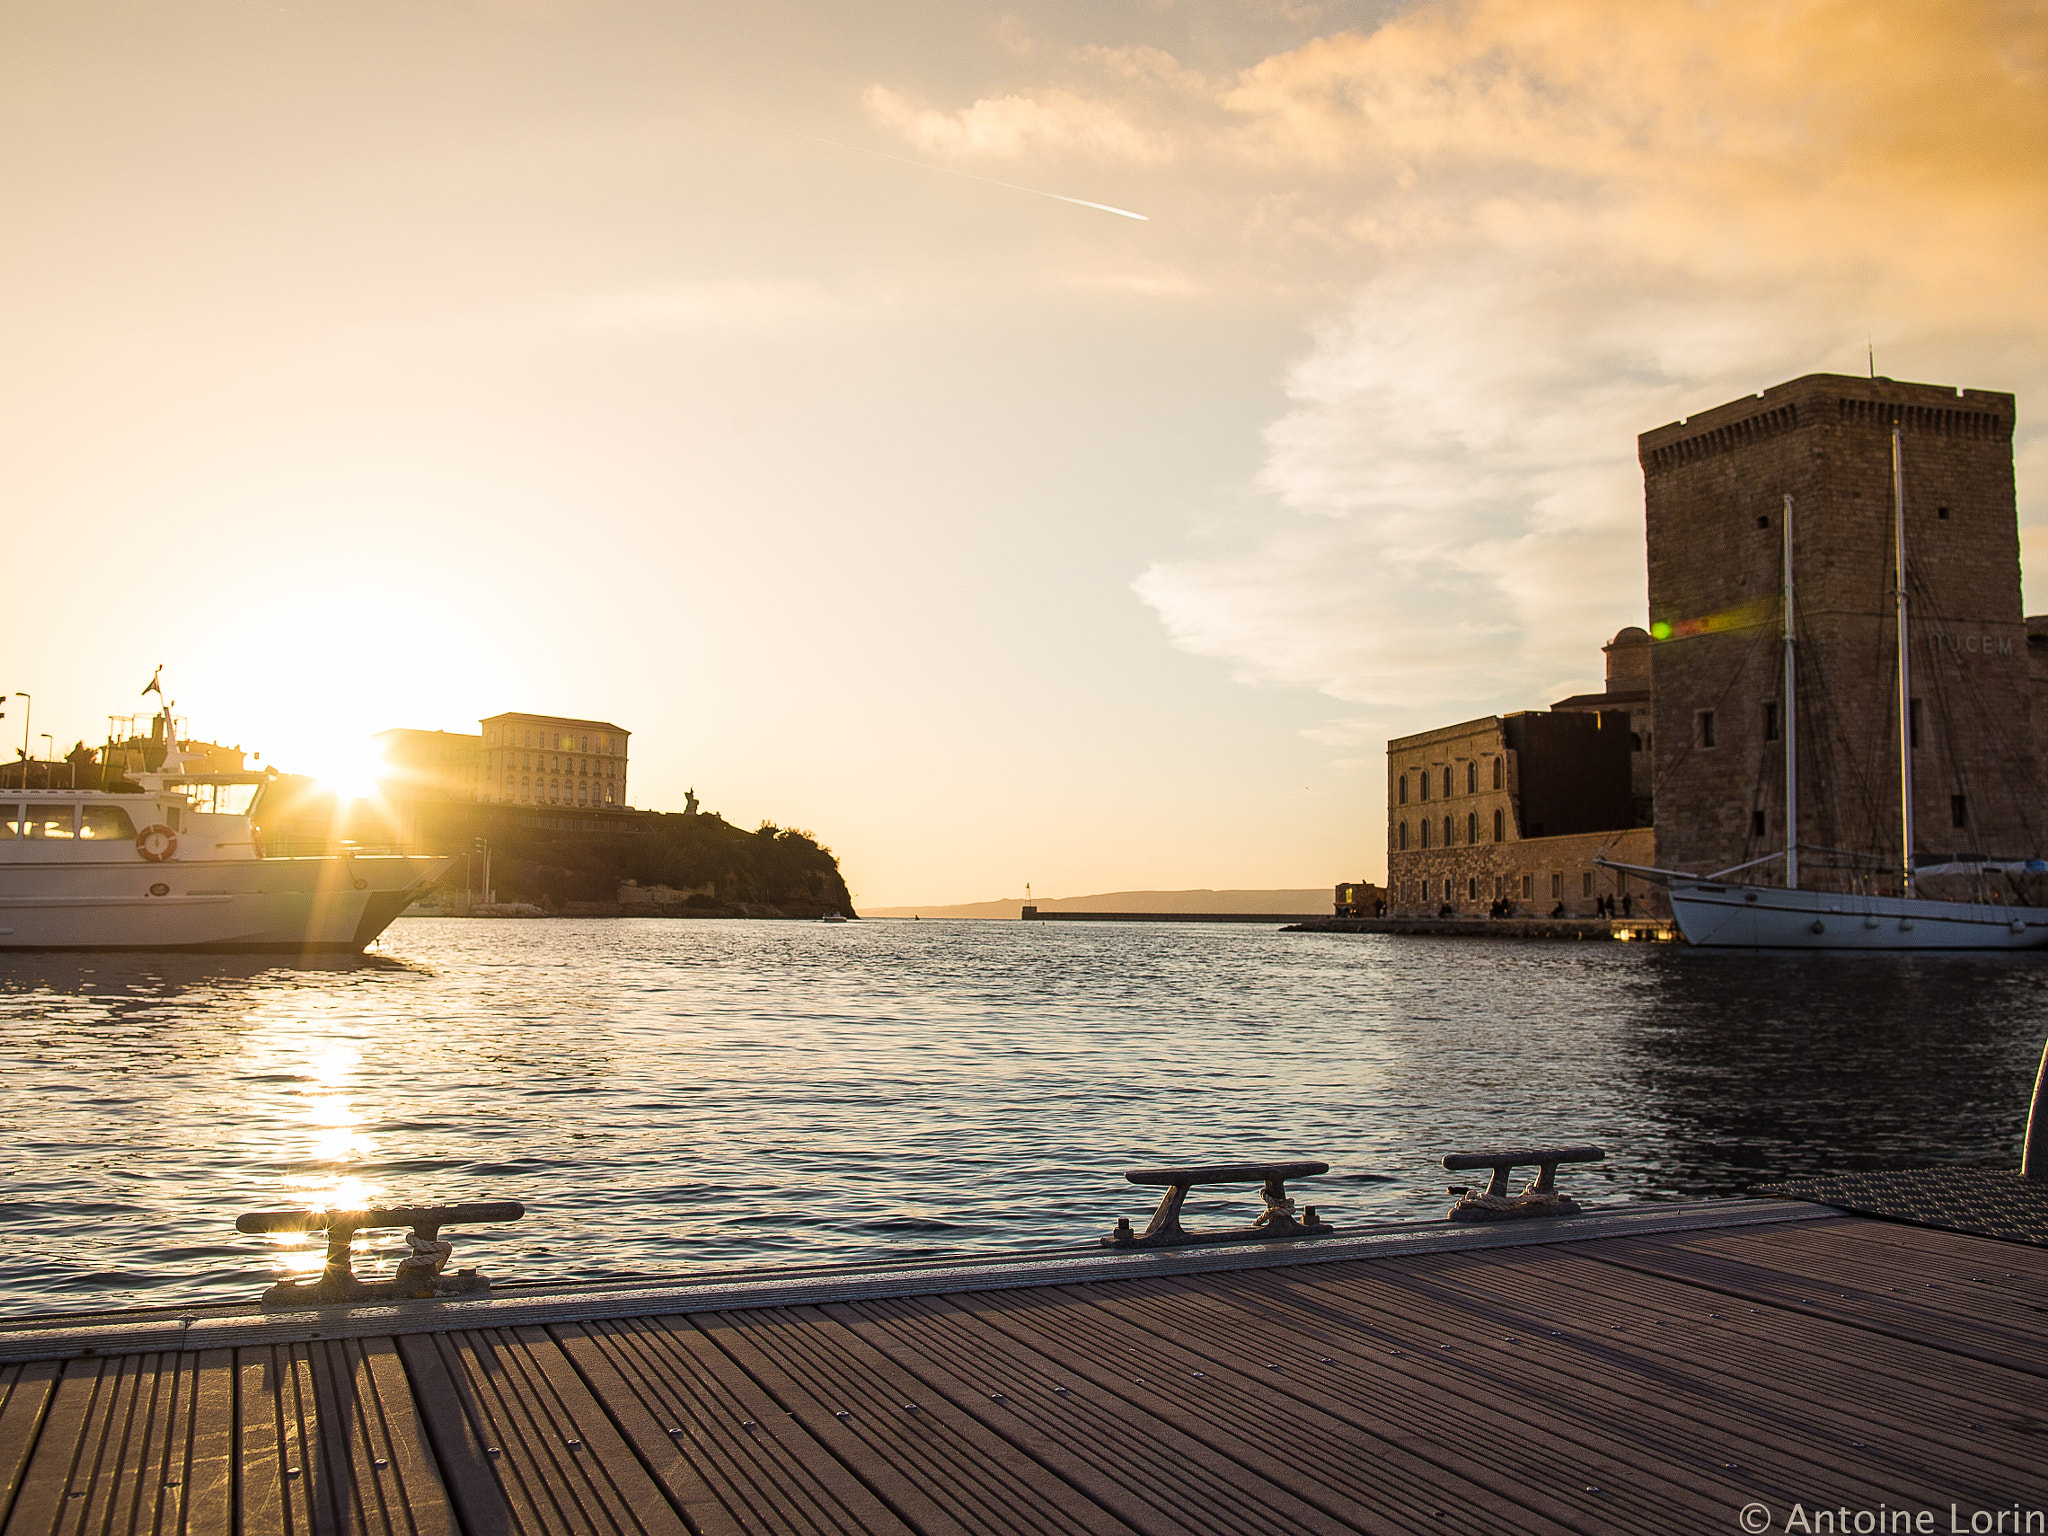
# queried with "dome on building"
point(1633, 635)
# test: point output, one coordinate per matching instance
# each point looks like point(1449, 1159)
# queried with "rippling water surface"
point(670, 1094)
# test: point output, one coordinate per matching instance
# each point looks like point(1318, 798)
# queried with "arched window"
point(1422, 788)
point(1500, 826)
point(1450, 832)
point(1425, 832)
point(1471, 827)
point(1404, 837)
point(1497, 773)
point(1402, 796)
point(1447, 781)
point(1471, 777)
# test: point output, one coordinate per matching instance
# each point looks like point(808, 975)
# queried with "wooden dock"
point(1654, 1368)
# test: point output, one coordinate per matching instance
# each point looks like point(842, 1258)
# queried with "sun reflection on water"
point(318, 1128)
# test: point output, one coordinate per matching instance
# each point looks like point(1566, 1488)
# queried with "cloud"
point(1582, 221)
point(1009, 127)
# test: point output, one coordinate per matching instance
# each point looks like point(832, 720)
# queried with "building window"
point(1913, 720)
point(1586, 883)
point(1404, 837)
point(1425, 832)
point(1756, 823)
point(1528, 887)
point(1958, 811)
point(1771, 720)
point(1471, 778)
point(1556, 884)
point(1422, 790)
point(1450, 832)
point(1401, 791)
point(1498, 764)
point(1706, 730)
point(1472, 888)
point(1471, 828)
point(1447, 781)
point(1500, 826)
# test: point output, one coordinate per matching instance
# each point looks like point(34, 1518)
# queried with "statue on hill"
point(690, 802)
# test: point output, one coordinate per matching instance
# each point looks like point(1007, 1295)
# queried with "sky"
point(381, 364)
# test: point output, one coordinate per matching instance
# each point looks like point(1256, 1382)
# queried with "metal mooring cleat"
point(419, 1275)
point(1279, 1220)
point(1538, 1198)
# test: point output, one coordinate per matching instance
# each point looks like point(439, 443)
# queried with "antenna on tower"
point(1871, 347)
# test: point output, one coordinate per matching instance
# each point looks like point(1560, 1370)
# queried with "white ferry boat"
point(93, 869)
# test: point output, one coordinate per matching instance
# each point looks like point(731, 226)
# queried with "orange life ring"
point(156, 843)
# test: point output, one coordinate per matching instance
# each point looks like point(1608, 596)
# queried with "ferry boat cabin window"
point(10, 821)
point(106, 824)
point(52, 822)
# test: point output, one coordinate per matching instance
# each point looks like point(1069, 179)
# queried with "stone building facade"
point(552, 760)
point(1715, 487)
point(1628, 691)
point(1513, 808)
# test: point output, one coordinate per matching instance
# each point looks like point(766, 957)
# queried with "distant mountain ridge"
point(1279, 902)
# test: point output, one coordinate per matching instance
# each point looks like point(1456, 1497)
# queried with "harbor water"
point(673, 1095)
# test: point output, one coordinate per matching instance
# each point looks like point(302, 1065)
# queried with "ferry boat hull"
point(1716, 914)
point(333, 903)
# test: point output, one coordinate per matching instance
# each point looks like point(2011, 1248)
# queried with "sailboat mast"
point(1905, 676)
point(1790, 726)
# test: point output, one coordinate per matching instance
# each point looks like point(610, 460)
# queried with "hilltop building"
point(513, 760)
point(552, 760)
point(1679, 763)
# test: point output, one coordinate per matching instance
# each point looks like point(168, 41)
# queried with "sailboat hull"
point(1722, 916)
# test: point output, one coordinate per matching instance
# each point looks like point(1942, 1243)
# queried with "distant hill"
point(1317, 900)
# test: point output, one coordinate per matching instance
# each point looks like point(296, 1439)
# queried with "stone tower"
point(1714, 489)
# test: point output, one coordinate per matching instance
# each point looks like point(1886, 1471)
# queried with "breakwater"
point(1649, 930)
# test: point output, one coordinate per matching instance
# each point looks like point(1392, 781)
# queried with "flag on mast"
point(156, 681)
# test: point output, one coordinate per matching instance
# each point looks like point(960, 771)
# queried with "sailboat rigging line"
point(1790, 729)
point(1905, 674)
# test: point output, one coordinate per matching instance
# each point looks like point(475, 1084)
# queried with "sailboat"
point(1717, 912)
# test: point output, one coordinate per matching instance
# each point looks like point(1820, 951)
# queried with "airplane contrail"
point(926, 165)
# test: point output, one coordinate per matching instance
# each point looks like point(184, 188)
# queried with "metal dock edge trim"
point(998, 1274)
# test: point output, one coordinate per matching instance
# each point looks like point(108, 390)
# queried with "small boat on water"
point(832, 917)
point(149, 869)
point(1716, 912)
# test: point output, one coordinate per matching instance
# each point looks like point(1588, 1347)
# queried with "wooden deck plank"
point(1957, 1278)
point(209, 1468)
point(1124, 1502)
point(1587, 1390)
point(557, 1445)
point(1271, 1394)
point(261, 1505)
point(46, 1487)
point(1855, 1388)
point(1756, 1278)
point(1131, 1463)
point(1129, 1420)
point(656, 1452)
point(1794, 1405)
point(1429, 1422)
point(767, 1473)
point(946, 1479)
point(25, 1393)
point(1680, 1409)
